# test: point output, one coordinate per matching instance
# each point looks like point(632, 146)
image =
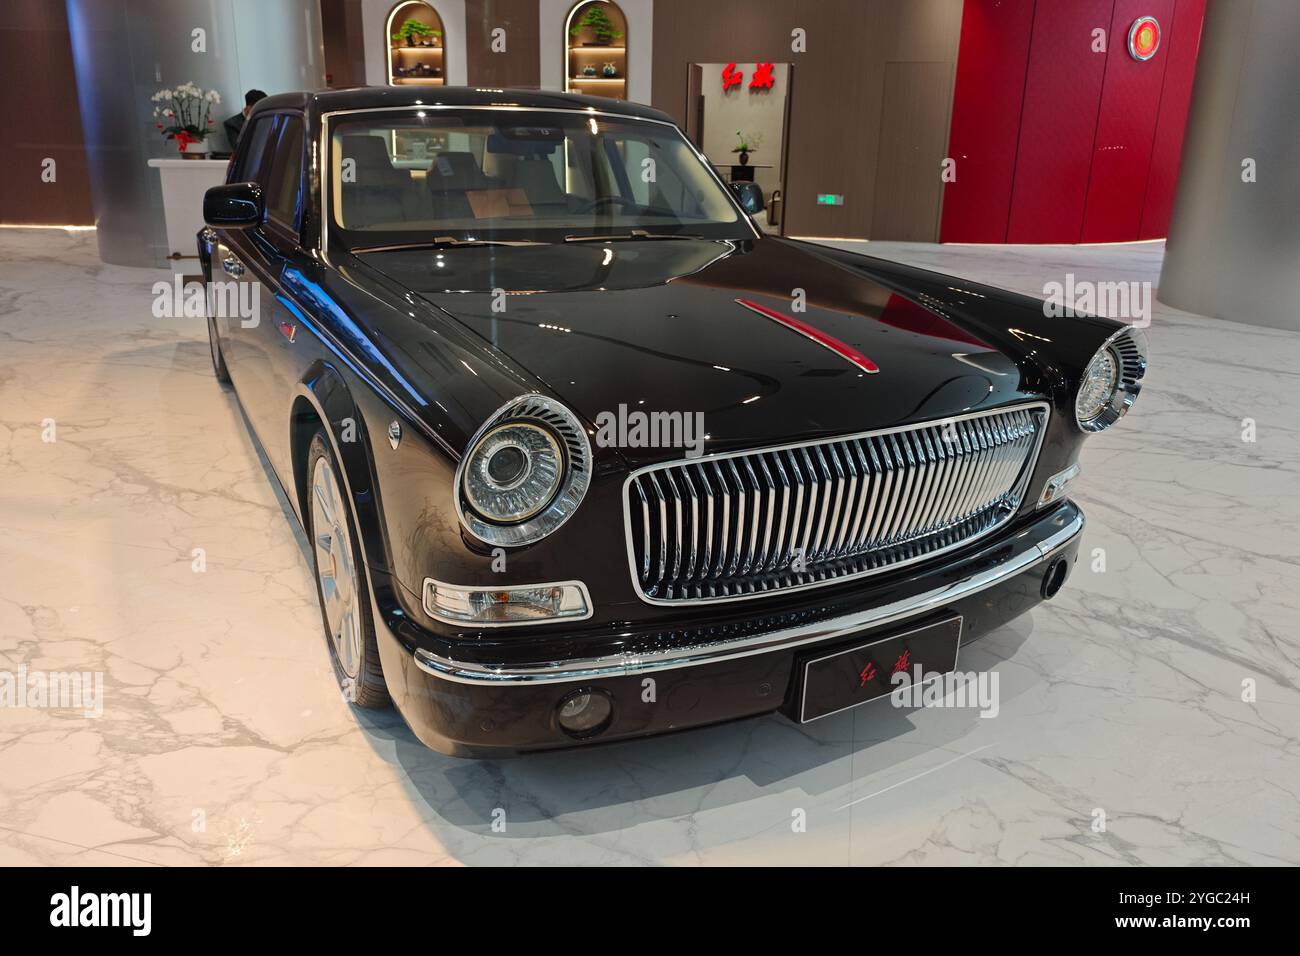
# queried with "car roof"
point(378, 97)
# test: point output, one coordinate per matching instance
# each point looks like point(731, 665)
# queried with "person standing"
point(235, 125)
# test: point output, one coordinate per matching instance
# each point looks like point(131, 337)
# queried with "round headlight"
point(513, 472)
point(1111, 381)
point(1098, 386)
point(525, 472)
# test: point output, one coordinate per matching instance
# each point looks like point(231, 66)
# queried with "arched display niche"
point(415, 57)
point(595, 42)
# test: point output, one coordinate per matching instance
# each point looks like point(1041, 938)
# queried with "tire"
point(341, 584)
point(218, 360)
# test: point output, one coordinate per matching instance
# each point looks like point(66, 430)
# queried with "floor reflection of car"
point(488, 324)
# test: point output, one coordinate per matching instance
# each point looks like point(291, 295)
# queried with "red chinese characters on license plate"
point(855, 675)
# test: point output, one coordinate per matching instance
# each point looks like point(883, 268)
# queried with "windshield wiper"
point(449, 242)
point(631, 235)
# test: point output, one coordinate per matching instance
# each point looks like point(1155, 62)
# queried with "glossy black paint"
point(234, 206)
point(749, 195)
point(356, 341)
point(469, 720)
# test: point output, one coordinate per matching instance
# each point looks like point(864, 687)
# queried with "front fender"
point(323, 398)
point(1052, 351)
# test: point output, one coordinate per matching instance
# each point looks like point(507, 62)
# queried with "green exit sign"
point(830, 199)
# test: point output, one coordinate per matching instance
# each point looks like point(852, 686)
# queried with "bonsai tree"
point(747, 144)
point(412, 30)
point(595, 18)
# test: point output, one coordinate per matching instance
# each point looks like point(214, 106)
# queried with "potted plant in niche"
point(598, 22)
point(746, 145)
point(413, 30)
point(185, 115)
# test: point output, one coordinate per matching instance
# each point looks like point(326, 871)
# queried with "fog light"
point(1055, 487)
point(584, 713)
point(494, 607)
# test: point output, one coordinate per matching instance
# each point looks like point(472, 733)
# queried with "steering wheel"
point(594, 204)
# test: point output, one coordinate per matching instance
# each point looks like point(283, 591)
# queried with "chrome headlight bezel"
point(574, 473)
point(1127, 347)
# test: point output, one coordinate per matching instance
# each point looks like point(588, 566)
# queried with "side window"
point(286, 173)
point(252, 168)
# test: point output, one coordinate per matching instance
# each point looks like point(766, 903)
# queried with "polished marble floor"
point(1122, 735)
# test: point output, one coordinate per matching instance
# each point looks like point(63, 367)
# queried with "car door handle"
point(232, 266)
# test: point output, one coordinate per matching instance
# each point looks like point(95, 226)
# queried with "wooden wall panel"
point(520, 65)
point(911, 151)
point(837, 86)
point(345, 48)
point(38, 100)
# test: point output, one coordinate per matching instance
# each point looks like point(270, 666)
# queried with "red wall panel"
point(1126, 127)
point(1062, 94)
point(1184, 41)
point(1088, 148)
point(990, 88)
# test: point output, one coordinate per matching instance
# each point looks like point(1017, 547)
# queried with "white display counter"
point(184, 181)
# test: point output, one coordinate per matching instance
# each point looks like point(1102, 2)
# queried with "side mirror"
point(234, 206)
point(750, 197)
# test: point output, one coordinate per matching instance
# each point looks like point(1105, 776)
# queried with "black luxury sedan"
point(583, 455)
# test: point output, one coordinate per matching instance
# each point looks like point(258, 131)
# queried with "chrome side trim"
point(629, 664)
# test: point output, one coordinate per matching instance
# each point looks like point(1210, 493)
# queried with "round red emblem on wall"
point(1144, 38)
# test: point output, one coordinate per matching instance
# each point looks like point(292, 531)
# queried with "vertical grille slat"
point(706, 564)
point(694, 523)
point(724, 533)
point(845, 462)
point(663, 528)
point(934, 449)
point(886, 495)
point(778, 552)
point(757, 522)
point(829, 492)
point(810, 519)
point(764, 558)
point(645, 525)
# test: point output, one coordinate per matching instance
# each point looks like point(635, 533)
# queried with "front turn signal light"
point(1055, 487)
point(496, 607)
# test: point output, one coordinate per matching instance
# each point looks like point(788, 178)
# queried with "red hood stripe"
point(817, 335)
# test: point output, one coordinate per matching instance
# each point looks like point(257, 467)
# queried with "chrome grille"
point(731, 526)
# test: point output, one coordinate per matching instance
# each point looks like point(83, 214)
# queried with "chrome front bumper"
point(1026, 554)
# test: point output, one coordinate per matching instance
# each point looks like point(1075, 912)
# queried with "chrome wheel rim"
point(335, 571)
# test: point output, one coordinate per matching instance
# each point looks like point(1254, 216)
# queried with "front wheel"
point(341, 581)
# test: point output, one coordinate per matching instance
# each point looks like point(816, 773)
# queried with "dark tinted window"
point(286, 170)
point(252, 169)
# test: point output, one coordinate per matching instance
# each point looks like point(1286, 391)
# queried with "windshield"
point(511, 175)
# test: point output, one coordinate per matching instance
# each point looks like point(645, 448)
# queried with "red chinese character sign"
point(763, 78)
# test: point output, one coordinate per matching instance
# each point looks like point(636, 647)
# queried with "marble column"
point(1234, 239)
point(126, 50)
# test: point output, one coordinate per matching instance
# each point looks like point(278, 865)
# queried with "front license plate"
point(853, 676)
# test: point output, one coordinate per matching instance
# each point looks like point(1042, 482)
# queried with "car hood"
point(655, 326)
